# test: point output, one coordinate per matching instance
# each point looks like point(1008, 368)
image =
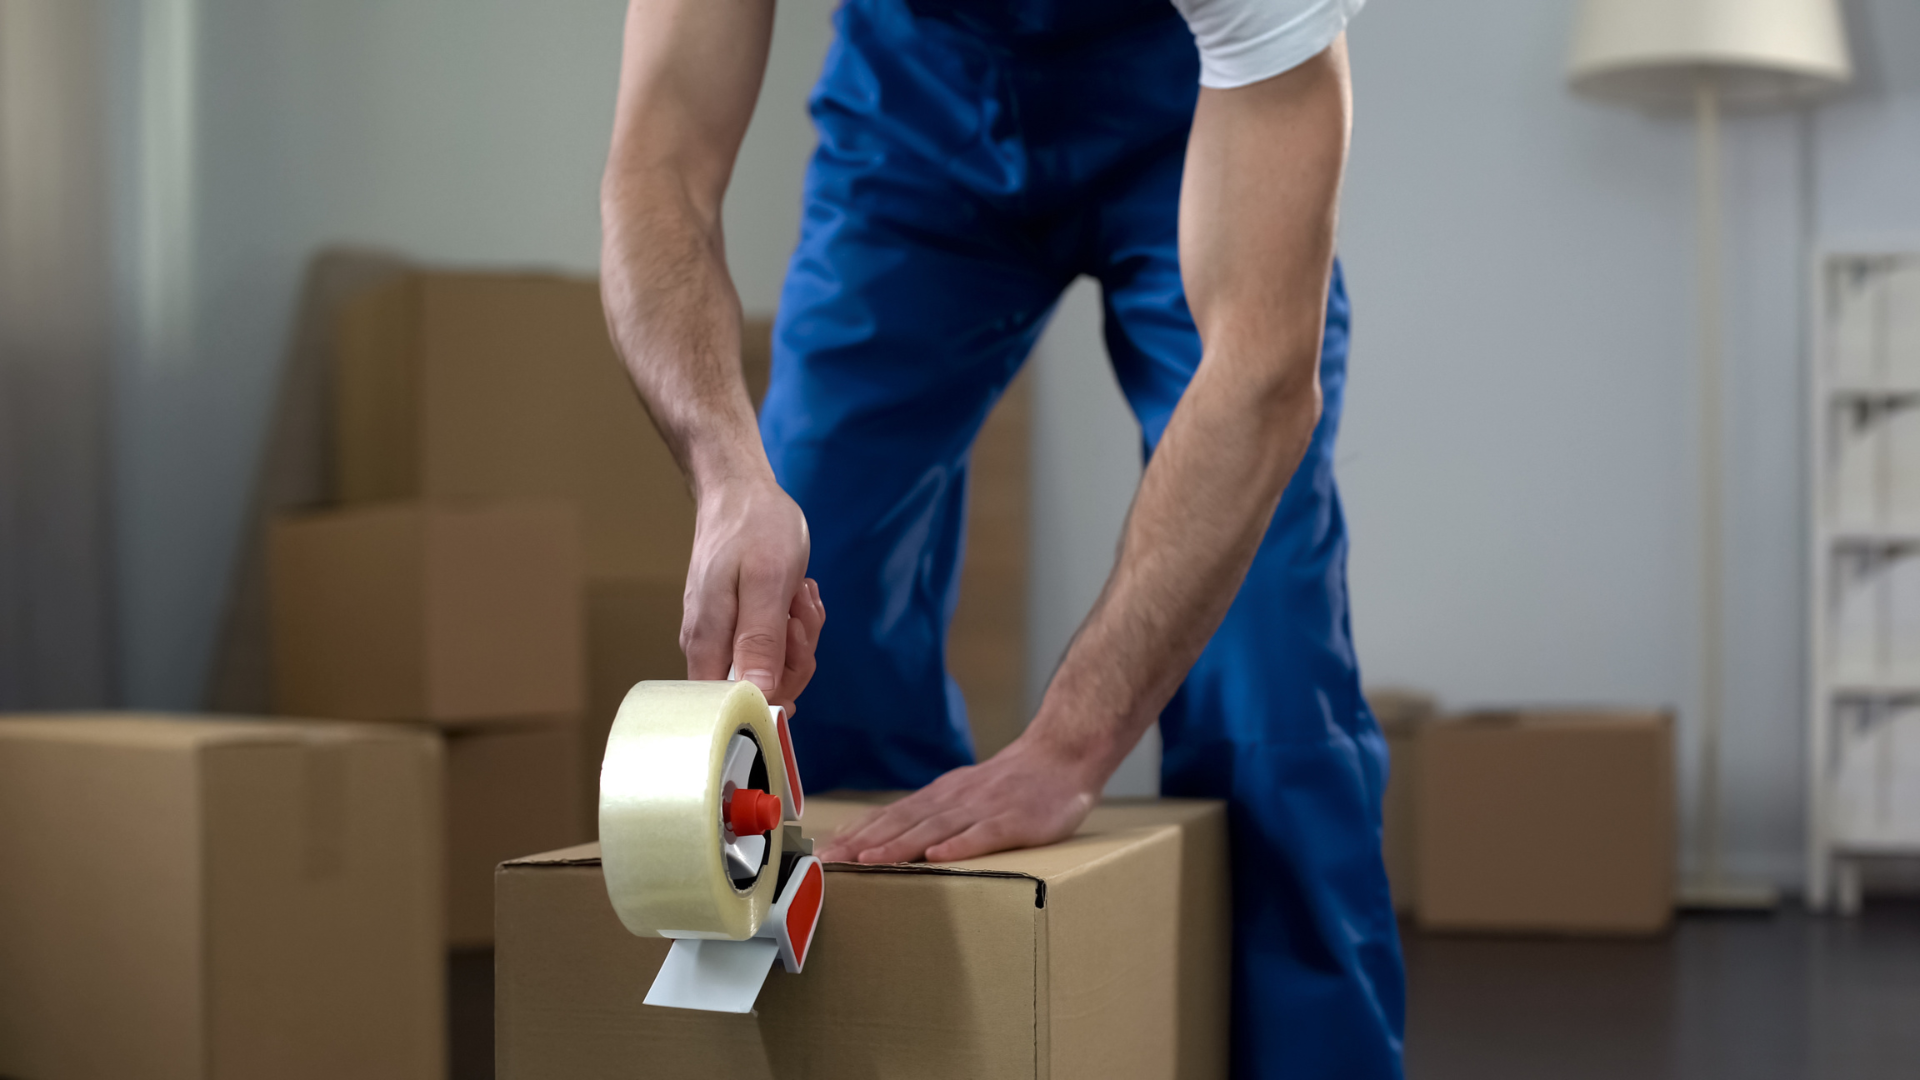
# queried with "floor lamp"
point(1663, 54)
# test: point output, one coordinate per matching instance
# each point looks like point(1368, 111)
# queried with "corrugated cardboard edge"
point(195, 729)
point(588, 855)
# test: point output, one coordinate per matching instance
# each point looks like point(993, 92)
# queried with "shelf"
point(1864, 398)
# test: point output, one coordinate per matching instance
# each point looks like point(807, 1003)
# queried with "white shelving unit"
point(1863, 757)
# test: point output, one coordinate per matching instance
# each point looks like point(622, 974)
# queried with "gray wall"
point(250, 133)
point(1517, 459)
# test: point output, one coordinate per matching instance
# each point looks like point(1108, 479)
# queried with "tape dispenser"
point(700, 805)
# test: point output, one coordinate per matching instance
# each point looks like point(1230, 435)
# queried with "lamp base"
point(1719, 894)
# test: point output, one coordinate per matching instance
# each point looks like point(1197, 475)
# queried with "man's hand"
point(749, 609)
point(1257, 211)
point(1029, 794)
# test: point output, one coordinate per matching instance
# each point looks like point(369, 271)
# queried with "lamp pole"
point(1710, 888)
point(1762, 52)
point(1706, 102)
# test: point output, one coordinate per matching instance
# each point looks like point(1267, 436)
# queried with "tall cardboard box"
point(1104, 956)
point(510, 792)
point(633, 634)
point(1402, 714)
point(198, 898)
point(491, 386)
point(448, 613)
point(987, 641)
point(1556, 821)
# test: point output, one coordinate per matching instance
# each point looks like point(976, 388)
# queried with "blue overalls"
point(975, 157)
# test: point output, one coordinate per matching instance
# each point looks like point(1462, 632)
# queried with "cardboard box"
point(509, 793)
point(1548, 821)
point(1402, 714)
point(459, 385)
point(987, 641)
point(1105, 956)
point(199, 898)
point(424, 612)
point(633, 634)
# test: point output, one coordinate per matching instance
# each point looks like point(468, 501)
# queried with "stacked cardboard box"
point(463, 616)
point(987, 644)
point(191, 897)
point(1402, 715)
point(1547, 821)
point(501, 386)
point(1105, 955)
point(491, 386)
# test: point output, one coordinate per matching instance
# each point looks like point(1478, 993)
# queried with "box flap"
point(1400, 711)
point(1113, 829)
point(1558, 718)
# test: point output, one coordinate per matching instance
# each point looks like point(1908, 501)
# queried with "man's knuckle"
point(757, 642)
point(762, 574)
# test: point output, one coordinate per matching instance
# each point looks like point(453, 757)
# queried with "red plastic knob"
point(752, 811)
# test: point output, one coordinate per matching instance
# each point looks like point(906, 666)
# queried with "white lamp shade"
point(1756, 52)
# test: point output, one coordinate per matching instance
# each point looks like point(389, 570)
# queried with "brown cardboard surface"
point(437, 612)
point(472, 385)
point(1547, 821)
point(1104, 956)
point(510, 792)
point(1401, 715)
point(633, 634)
point(199, 898)
point(987, 641)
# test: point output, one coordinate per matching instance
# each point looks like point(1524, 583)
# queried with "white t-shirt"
point(1244, 41)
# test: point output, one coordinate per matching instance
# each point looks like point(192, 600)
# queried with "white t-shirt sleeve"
point(1244, 41)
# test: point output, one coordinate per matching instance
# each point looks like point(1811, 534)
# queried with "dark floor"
point(1787, 996)
point(470, 1015)
point(1757, 997)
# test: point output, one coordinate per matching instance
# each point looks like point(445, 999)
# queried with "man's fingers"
point(706, 631)
point(884, 824)
point(983, 838)
point(800, 666)
point(835, 849)
point(917, 840)
point(760, 637)
point(808, 609)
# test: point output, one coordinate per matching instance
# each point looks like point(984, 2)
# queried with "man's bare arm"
point(690, 73)
point(1257, 213)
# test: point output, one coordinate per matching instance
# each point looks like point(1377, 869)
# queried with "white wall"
point(253, 132)
point(1517, 460)
point(1086, 464)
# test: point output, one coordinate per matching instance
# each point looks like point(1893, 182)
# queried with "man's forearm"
point(675, 318)
point(690, 72)
point(1256, 245)
point(1203, 507)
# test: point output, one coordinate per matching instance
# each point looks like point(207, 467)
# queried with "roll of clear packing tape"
point(674, 865)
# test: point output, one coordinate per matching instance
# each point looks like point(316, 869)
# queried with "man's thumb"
point(759, 651)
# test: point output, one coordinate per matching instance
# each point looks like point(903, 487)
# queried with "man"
point(976, 156)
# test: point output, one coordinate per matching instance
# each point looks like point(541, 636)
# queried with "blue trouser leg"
point(951, 199)
point(909, 305)
point(1271, 717)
